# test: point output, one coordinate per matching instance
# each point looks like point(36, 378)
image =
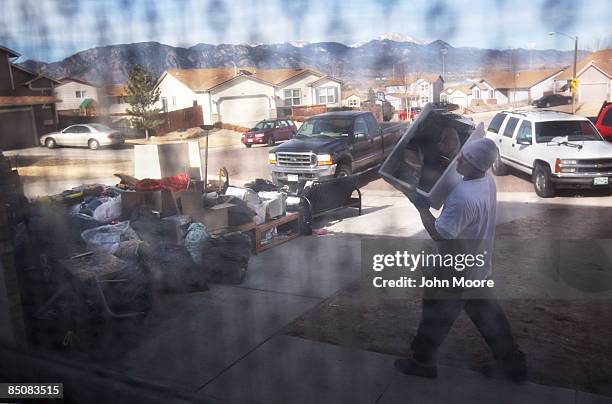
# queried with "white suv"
point(557, 149)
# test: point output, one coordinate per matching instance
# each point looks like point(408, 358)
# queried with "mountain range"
point(362, 60)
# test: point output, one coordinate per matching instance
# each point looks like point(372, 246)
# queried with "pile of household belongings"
point(145, 252)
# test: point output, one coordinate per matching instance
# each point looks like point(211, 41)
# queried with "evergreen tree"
point(142, 96)
point(371, 96)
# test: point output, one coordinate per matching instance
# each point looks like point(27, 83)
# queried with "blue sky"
point(50, 30)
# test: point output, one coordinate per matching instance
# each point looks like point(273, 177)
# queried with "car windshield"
point(330, 127)
point(100, 128)
point(573, 130)
point(264, 125)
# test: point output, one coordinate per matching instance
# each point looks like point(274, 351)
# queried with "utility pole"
point(443, 51)
point(574, 82)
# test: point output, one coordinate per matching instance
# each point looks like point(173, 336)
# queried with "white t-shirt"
point(469, 214)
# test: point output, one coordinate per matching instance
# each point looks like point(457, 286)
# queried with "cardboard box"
point(159, 201)
point(423, 135)
point(190, 203)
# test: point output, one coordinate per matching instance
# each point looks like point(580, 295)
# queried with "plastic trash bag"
point(108, 237)
point(108, 211)
point(194, 241)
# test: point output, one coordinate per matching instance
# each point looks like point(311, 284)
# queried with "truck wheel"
point(271, 141)
point(548, 105)
point(343, 170)
point(499, 169)
point(542, 183)
point(248, 145)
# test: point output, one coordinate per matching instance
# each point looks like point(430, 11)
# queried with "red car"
point(269, 132)
point(414, 112)
point(603, 123)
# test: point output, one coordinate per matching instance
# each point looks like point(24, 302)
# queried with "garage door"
point(16, 129)
point(244, 111)
point(459, 101)
point(594, 93)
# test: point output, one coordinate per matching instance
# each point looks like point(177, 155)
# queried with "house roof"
point(601, 59)
point(520, 79)
point(349, 93)
point(402, 81)
point(115, 90)
point(464, 88)
point(10, 52)
point(34, 75)
point(208, 78)
point(10, 101)
point(66, 80)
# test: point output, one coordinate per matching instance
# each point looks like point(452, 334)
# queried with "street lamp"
point(575, 38)
point(443, 51)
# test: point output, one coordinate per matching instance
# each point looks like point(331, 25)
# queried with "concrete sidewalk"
point(230, 342)
point(293, 370)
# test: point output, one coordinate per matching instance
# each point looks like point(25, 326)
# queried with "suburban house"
point(460, 94)
point(510, 87)
point(594, 74)
point(113, 99)
point(351, 99)
point(246, 95)
point(77, 97)
point(27, 104)
point(413, 91)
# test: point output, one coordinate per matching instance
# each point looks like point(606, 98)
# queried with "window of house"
point(164, 104)
point(80, 94)
point(326, 95)
point(424, 100)
point(173, 102)
point(293, 96)
point(352, 102)
point(477, 93)
point(195, 103)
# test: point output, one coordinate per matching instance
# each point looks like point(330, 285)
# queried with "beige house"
point(459, 94)
point(76, 96)
point(351, 99)
point(114, 99)
point(414, 91)
point(247, 95)
point(509, 87)
point(594, 75)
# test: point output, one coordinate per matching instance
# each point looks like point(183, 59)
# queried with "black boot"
point(413, 367)
point(514, 367)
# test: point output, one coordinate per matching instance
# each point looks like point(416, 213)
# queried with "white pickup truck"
point(559, 150)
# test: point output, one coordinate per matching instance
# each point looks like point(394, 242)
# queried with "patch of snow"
point(391, 37)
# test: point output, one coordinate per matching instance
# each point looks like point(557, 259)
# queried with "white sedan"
point(92, 135)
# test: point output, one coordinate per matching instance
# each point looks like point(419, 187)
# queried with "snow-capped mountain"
point(390, 37)
point(111, 64)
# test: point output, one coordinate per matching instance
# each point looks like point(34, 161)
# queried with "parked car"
point(552, 100)
point(444, 106)
point(92, 135)
point(333, 144)
point(269, 132)
point(558, 150)
point(414, 112)
point(603, 121)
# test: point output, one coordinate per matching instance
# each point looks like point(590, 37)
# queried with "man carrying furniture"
point(466, 225)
